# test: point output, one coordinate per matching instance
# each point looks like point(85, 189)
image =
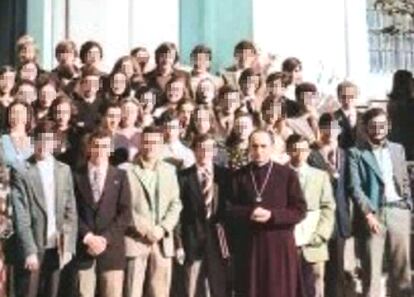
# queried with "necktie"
point(206, 188)
point(96, 185)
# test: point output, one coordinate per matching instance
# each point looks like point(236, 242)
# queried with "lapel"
point(346, 125)
point(369, 158)
point(395, 158)
point(106, 190)
point(195, 187)
point(36, 182)
point(60, 178)
point(84, 187)
point(138, 172)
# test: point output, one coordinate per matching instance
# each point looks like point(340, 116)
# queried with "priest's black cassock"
point(265, 255)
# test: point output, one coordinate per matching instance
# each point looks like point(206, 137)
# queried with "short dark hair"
point(152, 130)
point(66, 46)
point(164, 48)
point(43, 127)
point(6, 68)
point(201, 49)
point(248, 73)
point(86, 47)
point(326, 119)
point(343, 85)
point(284, 77)
point(244, 45)
point(29, 111)
point(98, 133)
point(265, 131)
point(304, 88)
point(290, 64)
point(200, 138)
point(90, 71)
point(293, 139)
point(167, 116)
point(372, 113)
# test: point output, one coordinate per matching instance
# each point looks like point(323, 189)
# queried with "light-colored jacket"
point(144, 212)
point(313, 233)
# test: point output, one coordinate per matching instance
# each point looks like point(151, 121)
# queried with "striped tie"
point(206, 188)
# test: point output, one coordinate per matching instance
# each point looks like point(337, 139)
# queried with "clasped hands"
point(96, 244)
point(155, 234)
point(260, 215)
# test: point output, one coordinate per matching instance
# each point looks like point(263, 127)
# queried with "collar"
point(145, 165)
point(101, 168)
point(374, 147)
point(48, 160)
point(301, 169)
point(208, 168)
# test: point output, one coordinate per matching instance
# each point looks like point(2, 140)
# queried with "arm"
point(234, 208)
point(355, 189)
point(70, 225)
point(405, 179)
point(325, 225)
point(172, 215)
point(22, 217)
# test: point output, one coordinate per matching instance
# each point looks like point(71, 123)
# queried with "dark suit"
point(89, 114)
point(349, 135)
point(199, 233)
point(108, 218)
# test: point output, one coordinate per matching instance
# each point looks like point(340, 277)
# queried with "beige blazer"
point(145, 212)
point(314, 232)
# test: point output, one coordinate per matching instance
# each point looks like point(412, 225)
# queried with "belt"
point(402, 204)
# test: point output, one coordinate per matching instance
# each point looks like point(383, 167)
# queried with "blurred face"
point(207, 91)
point(45, 145)
point(112, 118)
point(185, 113)
point(99, 150)
point(175, 91)
point(142, 57)
point(310, 99)
point(299, 153)
point(231, 102)
point(166, 60)
point(260, 147)
point(63, 114)
point(18, 116)
point(151, 145)
point(128, 68)
point(7, 82)
point(204, 152)
point(148, 101)
point(27, 93)
point(273, 113)
point(47, 96)
point(201, 62)
point(348, 97)
point(27, 53)
point(172, 131)
point(250, 86)
point(202, 121)
point(129, 114)
point(93, 56)
point(243, 126)
point(89, 86)
point(276, 88)
point(377, 129)
point(29, 72)
point(245, 58)
point(119, 83)
point(330, 133)
point(66, 58)
point(297, 75)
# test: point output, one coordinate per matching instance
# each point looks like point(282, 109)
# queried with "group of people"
point(166, 182)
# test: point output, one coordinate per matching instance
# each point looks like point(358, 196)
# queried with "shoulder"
point(166, 167)
point(395, 145)
point(318, 173)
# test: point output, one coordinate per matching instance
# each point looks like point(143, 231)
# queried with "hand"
point(260, 215)
point(373, 223)
point(180, 256)
point(96, 244)
point(32, 263)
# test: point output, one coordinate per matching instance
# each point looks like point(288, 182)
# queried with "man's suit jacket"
point(198, 232)
point(349, 136)
point(316, 229)
point(343, 207)
point(30, 214)
point(109, 217)
point(145, 211)
point(366, 182)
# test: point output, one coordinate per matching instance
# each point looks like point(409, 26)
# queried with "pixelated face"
point(207, 90)
point(90, 86)
point(299, 153)
point(245, 58)
point(175, 91)
point(201, 62)
point(29, 72)
point(129, 113)
point(250, 85)
point(310, 99)
point(113, 118)
point(47, 95)
point(167, 60)
point(142, 56)
point(172, 130)
point(93, 56)
point(127, 68)
point(260, 147)
point(45, 144)
point(26, 93)
point(202, 120)
point(276, 88)
point(204, 152)
point(66, 58)
point(18, 115)
point(243, 127)
point(297, 75)
point(348, 97)
point(331, 131)
point(27, 53)
point(7, 81)
point(377, 128)
point(148, 100)
point(63, 113)
point(185, 113)
point(273, 113)
point(119, 83)
point(231, 101)
point(100, 149)
point(151, 145)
